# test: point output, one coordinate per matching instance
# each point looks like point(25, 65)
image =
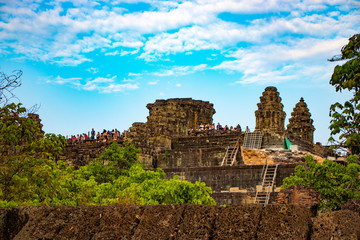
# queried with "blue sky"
point(96, 64)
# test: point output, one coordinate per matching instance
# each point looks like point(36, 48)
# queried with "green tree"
point(31, 175)
point(346, 116)
point(102, 182)
point(150, 188)
point(115, 178)
point(113, 162)
point(335, 182)
point(123, 157)
point(26, 157)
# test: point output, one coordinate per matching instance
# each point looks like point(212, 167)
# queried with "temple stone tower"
point(300, 124)
point(270, 116)
point(169, 118)
point(176, 115)
point(173, 117)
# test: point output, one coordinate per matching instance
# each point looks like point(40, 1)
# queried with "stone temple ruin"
point(270, 116)
point(237, 170)
point(301, 125)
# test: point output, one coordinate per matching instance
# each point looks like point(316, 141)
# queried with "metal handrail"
point(236, 146)
point(236, 149)
point(271, 187)
point(222, 163)
point(263, 181)
point(264, 170)
point(263, 178)
point(233, 160)
point(233, 153)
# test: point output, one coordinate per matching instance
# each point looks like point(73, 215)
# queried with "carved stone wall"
point(82, 153)
point(225, 140)
point(301, 195)
point(270, 115)
point(324, 151)
point(198, 151)
point(225, 177)
point(272, 140)
point(300, 124)
point(301, 144)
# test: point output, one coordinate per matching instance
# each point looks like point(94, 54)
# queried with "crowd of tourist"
point(104, 136)
point(115, 135)
point(212, 128)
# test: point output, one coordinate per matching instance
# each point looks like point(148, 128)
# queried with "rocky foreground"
point(177, 222)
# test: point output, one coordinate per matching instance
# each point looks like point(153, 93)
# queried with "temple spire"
point(300, 124)
point(270, 115)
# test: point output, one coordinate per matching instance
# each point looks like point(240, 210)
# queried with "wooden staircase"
point(268, 179)
point(230, 155)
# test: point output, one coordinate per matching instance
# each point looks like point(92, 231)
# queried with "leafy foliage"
point(123, 158)
point(112, 163)
point(346, 117)
point(30, 174)
point(335, 182)
point(26, 157)
point(148, 187)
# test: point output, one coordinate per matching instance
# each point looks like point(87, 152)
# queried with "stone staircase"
point(268, 179)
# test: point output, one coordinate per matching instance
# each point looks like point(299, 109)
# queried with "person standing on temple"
point(92, 134)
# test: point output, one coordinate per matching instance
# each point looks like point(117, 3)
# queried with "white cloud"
point(112, 53)
point(100, 84)
point(66, 36)
point(92, 70)
point(134, 74)
point(128, 44)
point(118, 87)
point(180, 70)
point(223, 34)
point(60, 80)
point(199, 67)
point(122, 53)
point(71, 61)
point(153, 82)
point(178, 85)
point(306, 58)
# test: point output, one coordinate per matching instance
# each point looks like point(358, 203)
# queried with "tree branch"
point(7, 84)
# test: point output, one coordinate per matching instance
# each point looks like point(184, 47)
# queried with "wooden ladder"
point(268, 179)
point(230, 155)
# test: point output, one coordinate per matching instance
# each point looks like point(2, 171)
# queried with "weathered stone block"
point(337, 225)
point(284, 222)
